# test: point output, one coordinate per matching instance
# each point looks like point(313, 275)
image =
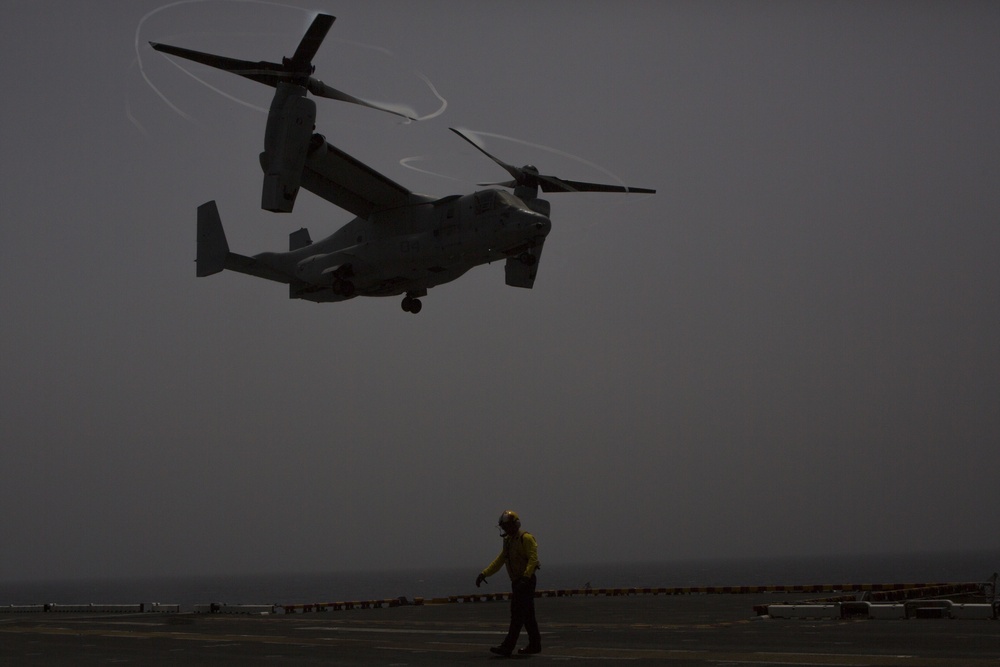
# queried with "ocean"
point(187, 591)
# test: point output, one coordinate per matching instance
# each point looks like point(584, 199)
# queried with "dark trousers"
point(522, 614)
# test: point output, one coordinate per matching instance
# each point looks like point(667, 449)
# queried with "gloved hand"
point(480, 579)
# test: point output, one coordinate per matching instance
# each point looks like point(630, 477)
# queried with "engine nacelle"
point(290, 124)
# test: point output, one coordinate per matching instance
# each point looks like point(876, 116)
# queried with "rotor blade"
point(270, 74)
point(529, 177)
point(312, 39)
point(263, 72)
point(505, 184)
point(554, 184)
point(320, 89)
point(518, 174)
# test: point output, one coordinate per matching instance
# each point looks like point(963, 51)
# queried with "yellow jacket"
point(519, 554)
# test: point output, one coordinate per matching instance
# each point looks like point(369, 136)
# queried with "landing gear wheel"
point(412, 305)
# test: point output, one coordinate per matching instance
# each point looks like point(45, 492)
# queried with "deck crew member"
point(520, 555)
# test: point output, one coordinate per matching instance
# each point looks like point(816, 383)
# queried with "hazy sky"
point(792, 348)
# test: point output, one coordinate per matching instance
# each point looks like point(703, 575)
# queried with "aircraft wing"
point(352, 185)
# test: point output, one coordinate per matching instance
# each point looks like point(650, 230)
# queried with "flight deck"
point(693, 629)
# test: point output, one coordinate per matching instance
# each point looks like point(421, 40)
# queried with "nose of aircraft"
point(536, 222)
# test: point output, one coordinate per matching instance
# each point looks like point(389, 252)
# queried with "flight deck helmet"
point(509, 522)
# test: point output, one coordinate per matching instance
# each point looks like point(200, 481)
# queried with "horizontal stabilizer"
point(214, 255)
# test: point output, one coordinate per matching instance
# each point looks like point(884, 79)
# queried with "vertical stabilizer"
point(212, 245)
point(299, 239)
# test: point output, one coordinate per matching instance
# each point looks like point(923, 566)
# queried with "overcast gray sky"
point(792, 348)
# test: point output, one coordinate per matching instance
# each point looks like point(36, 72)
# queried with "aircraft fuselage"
point(410, 249)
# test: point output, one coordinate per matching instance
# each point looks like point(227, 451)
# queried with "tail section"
point(212, 245)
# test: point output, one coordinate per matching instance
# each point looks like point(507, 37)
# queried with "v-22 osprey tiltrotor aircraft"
point(400, 242)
